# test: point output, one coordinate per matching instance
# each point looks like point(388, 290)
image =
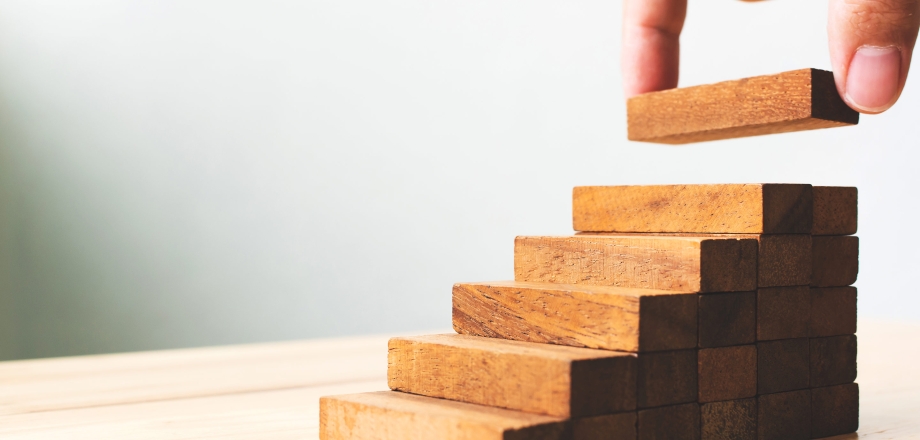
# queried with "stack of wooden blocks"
point(674, 312)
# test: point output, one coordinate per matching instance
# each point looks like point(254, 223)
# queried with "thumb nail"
point(874, 77)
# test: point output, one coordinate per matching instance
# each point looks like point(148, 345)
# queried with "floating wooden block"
point(731, 419)
point(835, 210)
point(782, 312)
point(667, 378)
point(679, 422)
point(683, 264)
point(784, 416)
point(389, 415)
point(832, 311)
point(732, 209)
point(798, 100)
point(611, 318)
point(835, 260)
point(727, 373)
point(727, 319)
point(620, 426)
point(834, 410)
point(782, 365)
point(540, 378)
point(833, 360)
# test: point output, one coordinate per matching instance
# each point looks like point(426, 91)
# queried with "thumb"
point(871, 42)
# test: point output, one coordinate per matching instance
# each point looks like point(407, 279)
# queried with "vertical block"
point(834, 210)
point(729, 420)
point(727, 319)
point(784, 260)
point(833, 360)
point(832, 311)
point(620, 426)
point(667, 378)
point(782, 312)
point(727, 373)
point(834, 410)
point(782, 365)
point(784, 416)
point(679, 422)
point(835, 260)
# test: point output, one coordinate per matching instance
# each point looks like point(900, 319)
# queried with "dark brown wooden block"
point(727, 373)
point(727, 319)
point(834, 210)
point(834, 410)
point(784, 260)
point(784, 416)
point(729, 420)
point(679, 422)
point(835, 260)
point(782, 365)
point(620, 426)
point(832, 311)
point(782, 312)
point(833, 360)
point(667, 378)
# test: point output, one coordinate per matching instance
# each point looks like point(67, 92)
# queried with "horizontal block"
point(784, 416)
point(782, 365)
point(611, 318)
point(797, 100)
point(731, 419)
point(679, 422)
point(835, 260)
point(539, 378)
point(727, 373)
point(622, 426)
point(783, 312)
point(833, 360)
point(666, 378)
point(682, 264)
point(832, 311)
point(389, 415)
point(835, 210)
point(727, 319)
point(834, 410)
point(723, 208)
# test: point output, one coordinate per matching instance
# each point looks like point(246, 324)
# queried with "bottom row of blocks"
point(803, 414)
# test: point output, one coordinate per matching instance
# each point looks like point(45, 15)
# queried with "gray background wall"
point(183, 173)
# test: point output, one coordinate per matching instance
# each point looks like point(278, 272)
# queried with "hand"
point(871, 42)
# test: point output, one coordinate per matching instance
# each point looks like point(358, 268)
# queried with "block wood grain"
point(835, 210)
point(727, 319)
point(539, 378)
point(797, 100)
point(835, 260)
point(666, 378)
point(783, 312)
point(722, 208)
point(784, 416)
point(832, 311)
point(611, 318)
point(682, 264)
point(833, 360)
point(782, 365)
point(678, 422)
point(388, 415)
point(834, 410)
point(729, 420)
point(727, 373)
point(621, 426)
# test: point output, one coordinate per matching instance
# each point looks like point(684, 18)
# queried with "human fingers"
point(650, 55)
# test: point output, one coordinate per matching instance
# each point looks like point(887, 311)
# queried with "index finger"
point(650, 55)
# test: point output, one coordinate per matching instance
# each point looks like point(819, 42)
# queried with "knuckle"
point(883, 17)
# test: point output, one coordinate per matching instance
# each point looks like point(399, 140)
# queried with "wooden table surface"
point(272, 390)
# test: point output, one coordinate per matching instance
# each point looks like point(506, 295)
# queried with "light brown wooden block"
point(835, 210)
point(727, 319)
point(611, 318)
point(834, 410)
point(833, 360)
point(782, 312)
point(835, 260)
point(667, 378)
point(539, 378)
point(729, 420)
point(727, 373)
point(784, 416)
point(683, 264)
point(388, 415)
point(620, 426)
point(832, 311)
point(805, 99)
point(724, 208)
point(782, 365)
point(679, 422)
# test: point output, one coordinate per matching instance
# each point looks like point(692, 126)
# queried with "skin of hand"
point(870, 41)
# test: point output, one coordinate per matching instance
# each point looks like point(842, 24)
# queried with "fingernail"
point(873, 78)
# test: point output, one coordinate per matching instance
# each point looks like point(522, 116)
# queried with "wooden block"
point(729, 420)
point(727, 319)
point(682, 264)
point(835, 210)
point(784, 260)
point(388, 415)
point(679, 422)
point(784, 416)
point(833, 360)
point(620, 426)
point(832, 311)
point(834, 410)
point(835, 260)
point(667, 378)
point(724, 208)
point(782, 312)
point(782, 365)
point(797, 100)
point(727, 373)
point(540, 378)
